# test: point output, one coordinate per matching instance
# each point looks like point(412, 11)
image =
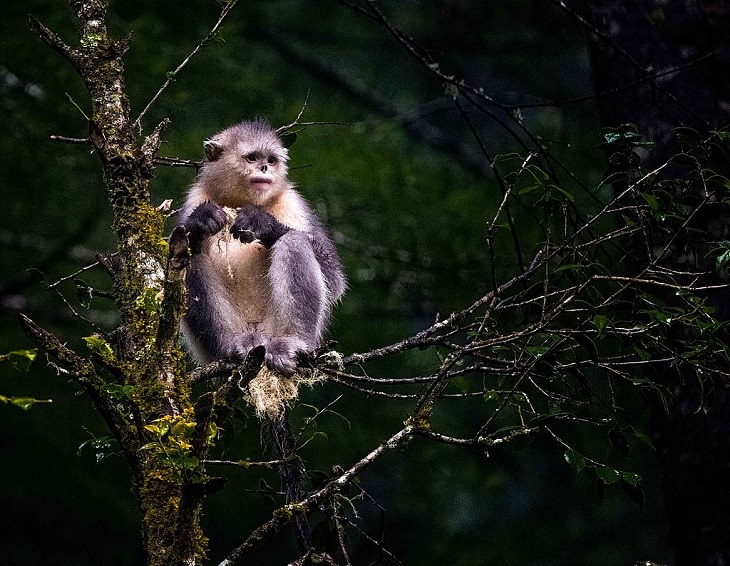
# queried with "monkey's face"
point(264, 174)
point(247, 165)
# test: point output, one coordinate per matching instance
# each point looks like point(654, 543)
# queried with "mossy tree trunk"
point(136, 374)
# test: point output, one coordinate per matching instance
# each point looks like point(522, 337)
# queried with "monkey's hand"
point(207, 219)
point(254, 223)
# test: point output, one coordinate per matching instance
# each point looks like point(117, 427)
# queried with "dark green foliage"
point(582, 281)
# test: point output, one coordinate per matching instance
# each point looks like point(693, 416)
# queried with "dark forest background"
point(396, 174)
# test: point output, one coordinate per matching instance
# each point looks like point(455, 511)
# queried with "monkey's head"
point(247, 164)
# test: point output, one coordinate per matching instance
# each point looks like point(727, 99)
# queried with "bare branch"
point(82, 371)
point(281, 517)
point(246, 464)
point(52, 39)
point(69, 140)
point(177, 162)
point(449, 324)
point(173, 75)
point(152, 142)
point(213, 370)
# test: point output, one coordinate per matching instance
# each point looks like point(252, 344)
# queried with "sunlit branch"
point(247, 464)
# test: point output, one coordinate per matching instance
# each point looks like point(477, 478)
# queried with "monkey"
point(263, 271)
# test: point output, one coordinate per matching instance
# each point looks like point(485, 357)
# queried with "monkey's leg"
point(213, 325)
point(298, 300)
point(202, 325)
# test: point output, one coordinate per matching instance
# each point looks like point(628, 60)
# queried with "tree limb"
point(283, 516)
point(172, 75)
point(82, 371)
point(52, 39)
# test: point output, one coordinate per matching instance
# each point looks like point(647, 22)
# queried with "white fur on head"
point(236, 156)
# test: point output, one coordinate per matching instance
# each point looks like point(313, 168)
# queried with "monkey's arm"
point(207, 219)
point(326, 255)
point(308, 281)
point(254, 223)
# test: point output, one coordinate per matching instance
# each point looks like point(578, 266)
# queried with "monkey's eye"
point(271, 160)
point(251, 157)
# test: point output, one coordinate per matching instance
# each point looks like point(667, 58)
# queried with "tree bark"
point(156, 426)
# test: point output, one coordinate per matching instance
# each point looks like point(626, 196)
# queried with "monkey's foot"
point(282, 351)
point(247, 341)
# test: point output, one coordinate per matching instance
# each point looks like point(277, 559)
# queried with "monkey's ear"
point(288, 139)
point(213, 149)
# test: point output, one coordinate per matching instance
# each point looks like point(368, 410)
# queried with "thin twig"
point(66, 139)
point(246, 464)
point(173, 75)
point(448, 324)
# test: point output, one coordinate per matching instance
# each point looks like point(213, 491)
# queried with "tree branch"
point(283, 516)
point(82, 372)
point(52, 39)
point(173, 75)
point(451, 323)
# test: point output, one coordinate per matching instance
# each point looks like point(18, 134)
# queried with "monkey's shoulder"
point(292, 210)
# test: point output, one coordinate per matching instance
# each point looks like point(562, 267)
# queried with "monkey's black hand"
point(254, 223)
point(207, 219)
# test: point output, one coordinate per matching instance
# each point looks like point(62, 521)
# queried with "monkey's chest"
point(243, 271)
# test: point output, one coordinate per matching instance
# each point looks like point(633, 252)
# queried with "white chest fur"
point(242, 273)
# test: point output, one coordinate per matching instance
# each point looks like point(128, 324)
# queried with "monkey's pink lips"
point(261, 180)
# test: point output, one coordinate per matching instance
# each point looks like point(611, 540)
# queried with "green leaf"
point(575, 459)
point(451, 90)
point(567, 194)
point(189, 462)
point(462, 383)
point(24, 403)
point(154, 429)
point(634, 490)
point(118, 392)
point(20, 359)
point(642, 436)
point(492, 395)
point(98, 344)
point(537, 351)
point(600, 321)
point(608, 475)
point(655, 205)
point(104, 446)
point(618, 441)
point(529, 188)
point(723, 258)
point(182, 428)
point(631, 478)
point(643, 354)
